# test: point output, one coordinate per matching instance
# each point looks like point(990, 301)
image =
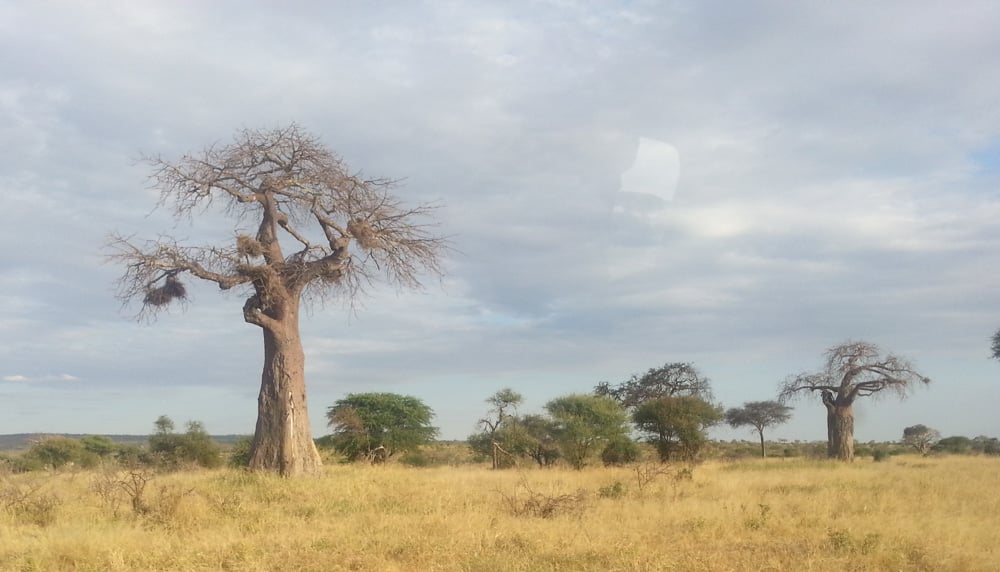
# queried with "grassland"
point(908, 513)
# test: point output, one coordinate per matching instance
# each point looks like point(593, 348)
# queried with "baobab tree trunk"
point(283, 441)
point(840, 432)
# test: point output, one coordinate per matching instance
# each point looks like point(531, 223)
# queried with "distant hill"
point(22, 441)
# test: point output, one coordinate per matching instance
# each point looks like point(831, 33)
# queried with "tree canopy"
point(759, 415)
point(583, 424)
point(676, 425)
point(920, 437)
point(364, 423)
point(668, 380)
point(317, 227)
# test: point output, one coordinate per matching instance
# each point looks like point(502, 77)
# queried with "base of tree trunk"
point(840, 429)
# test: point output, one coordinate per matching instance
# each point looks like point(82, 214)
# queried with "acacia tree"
point(503, 402)
point(676, 425)
point(583, 424)
point(669, 380)
point(316, 229)
point(853, 369)
point(921, 437)
point(388, 422)
point(759, 415)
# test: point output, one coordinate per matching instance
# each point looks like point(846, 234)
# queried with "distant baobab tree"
point(852, 370)
point(318, 230)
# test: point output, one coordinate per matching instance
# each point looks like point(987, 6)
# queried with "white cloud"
point(815, 177)
point(63, 377)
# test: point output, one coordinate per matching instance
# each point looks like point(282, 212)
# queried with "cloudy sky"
point(739, 185)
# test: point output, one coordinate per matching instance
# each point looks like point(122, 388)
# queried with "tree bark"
point(763, 454)
point(840, 430)
point(283, 441)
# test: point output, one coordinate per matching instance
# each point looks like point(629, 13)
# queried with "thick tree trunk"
point(840, 431)
point(283, 441)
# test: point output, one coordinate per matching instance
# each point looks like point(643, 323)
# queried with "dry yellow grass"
point(905, 514)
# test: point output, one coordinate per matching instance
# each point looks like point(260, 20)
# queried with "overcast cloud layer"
point(741, 185)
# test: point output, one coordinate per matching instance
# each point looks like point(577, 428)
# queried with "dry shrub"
point(648, 473)
point(28, 504)
point(525, 501)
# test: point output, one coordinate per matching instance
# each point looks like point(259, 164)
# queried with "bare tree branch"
point(852, 370)
point(348, 230)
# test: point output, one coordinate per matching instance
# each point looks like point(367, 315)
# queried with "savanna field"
point(907, 513)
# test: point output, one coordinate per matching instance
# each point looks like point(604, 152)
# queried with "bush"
point(620, 452)
point(173, 450)
point(239, 453)
point(880, 455)
point(19, 464)
point(615, 490)
point(56, 452)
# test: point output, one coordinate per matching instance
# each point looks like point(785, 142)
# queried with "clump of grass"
point(28, 503)
point(615, 490)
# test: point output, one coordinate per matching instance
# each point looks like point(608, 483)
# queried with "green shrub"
point(173, 450)
point(239, 454)
point(620, 452)
point(57, 452)
point(416, 459)
point(615, 490)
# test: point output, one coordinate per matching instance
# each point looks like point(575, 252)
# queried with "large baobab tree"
point(305, 227)
point(852, 370)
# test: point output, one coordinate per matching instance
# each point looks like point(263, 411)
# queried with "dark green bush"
point(239, 454)
point(620, 452)
point(174, 450)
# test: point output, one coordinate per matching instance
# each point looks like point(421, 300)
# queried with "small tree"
point(316, 229)
point(583, 424)
point(504, 404)
point(99, 445)
point(670, 380)
point(852, 370)
point(920, 437)
point(676, 425)
point(995, 347)
point(759, 415)
point(364, 423)
point(535, 437)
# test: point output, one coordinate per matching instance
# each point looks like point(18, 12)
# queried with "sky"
point(625, 184)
